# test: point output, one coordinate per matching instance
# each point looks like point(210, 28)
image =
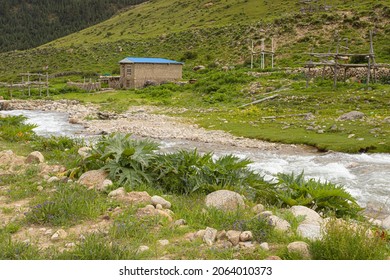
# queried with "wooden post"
point(47, 84)
point(273, 52)
point(40, 87)
point(252, 56)
point(28, 83)
point(368, 70)
point(335, 74)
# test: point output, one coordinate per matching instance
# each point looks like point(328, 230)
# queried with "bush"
point(322, 197)
point(185, 172)
point(344, 241)
point(13, 128)
point(124, 158)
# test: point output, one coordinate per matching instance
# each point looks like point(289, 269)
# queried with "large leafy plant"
point(323, 197)
point(185, 172)
point(125, 159)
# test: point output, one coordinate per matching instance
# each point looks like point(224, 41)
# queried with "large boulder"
point(225, 200)
point(94, 179)
point(354, 115)
point(310, 231)
point(310, 216)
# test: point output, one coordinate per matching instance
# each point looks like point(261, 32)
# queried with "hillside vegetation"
point(209, 32)
point(26, 24)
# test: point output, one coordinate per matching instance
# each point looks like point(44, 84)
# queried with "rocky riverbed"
point(144, 121)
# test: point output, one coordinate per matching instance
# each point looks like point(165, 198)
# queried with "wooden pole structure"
point(272, 55)
point(47, 84)
point(40, 86)
point(252, 56)
point(28, 83)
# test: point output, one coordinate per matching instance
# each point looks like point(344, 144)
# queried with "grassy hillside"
point(208, 32)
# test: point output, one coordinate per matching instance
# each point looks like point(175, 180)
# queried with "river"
point(365, 176)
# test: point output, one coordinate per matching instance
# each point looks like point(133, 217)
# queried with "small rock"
point(159, 200)
point(159, 207)
point(163, 242)
point(118, 192)
point(354, 115)
point(48, 232)
point(223, 244)
point(279, 223)
point(39, 188)
point(299, 247)
point(190, 236)
point(210, 236)
point(246, 236)
point(258, 208)
point(142, 248)
point(93, 179)
point(200, 233)
point(221, 235)
point(225, 200)
point(265, 214)
point(246, 245)
point(53, 179)
point(70, 245)
point(333, 128)
point(320, 131)
point(309, 116)
point(233, 236)
point(136, 198)
point(35, 157)
point(264, 246)
point(58, 235)
point(106, 183)
point(198, 67)
point(351, 136)
point(180, 222)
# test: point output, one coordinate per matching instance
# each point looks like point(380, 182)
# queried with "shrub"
point(13, 128)
point(124, 158)
point(185, 172)
point(325, 197)
point(344, 241)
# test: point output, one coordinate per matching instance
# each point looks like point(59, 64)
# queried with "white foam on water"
point(48, 123)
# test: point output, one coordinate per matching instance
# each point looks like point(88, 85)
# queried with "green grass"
point(345, 241)
point(67, 206)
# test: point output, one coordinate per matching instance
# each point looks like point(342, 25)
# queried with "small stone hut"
point(136, 72)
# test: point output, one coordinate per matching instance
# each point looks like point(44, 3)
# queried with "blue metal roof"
point(148, 60)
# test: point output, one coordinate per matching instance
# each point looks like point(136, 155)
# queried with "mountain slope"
point(25, 24)
point(210, 32)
